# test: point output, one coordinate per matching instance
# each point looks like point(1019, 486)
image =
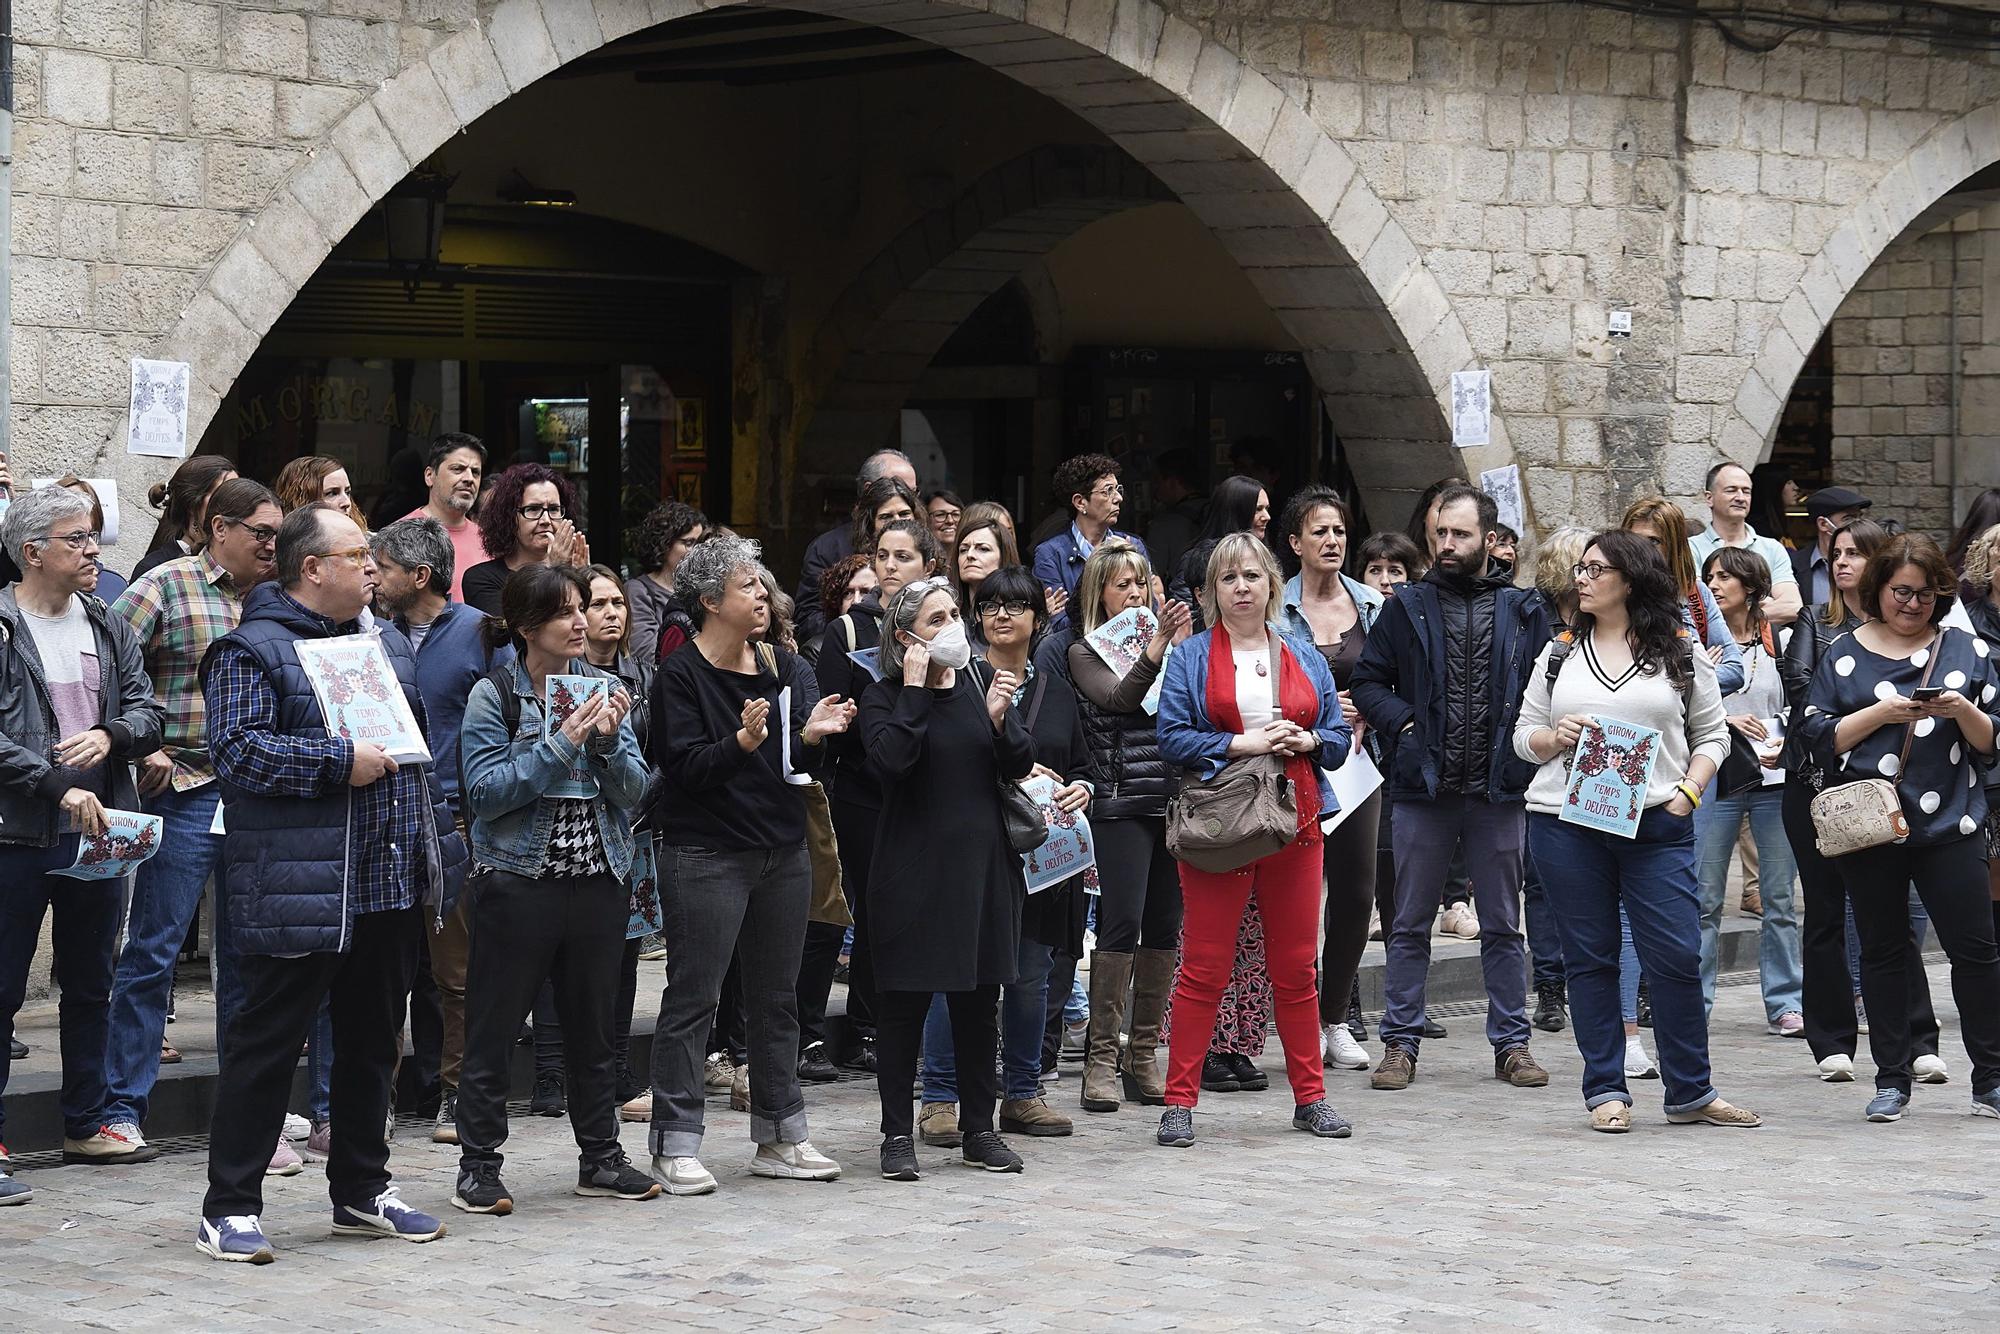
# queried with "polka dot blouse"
point(1944, 790)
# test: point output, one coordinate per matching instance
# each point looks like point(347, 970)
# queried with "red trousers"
point(1288, 888)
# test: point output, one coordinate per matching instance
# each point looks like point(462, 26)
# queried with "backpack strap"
point(1559, 649)
point(847, 631)
point(1035, 700)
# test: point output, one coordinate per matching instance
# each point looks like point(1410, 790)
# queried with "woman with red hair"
point(528, 518)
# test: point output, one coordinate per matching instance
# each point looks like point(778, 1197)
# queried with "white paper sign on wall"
point(1471, 408)
point(159, 422)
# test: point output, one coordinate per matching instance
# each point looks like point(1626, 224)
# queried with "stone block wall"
point(1902, 342)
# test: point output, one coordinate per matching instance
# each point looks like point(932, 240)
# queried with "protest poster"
point(360, 696)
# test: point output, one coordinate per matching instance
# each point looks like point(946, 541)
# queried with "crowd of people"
point(772, 790)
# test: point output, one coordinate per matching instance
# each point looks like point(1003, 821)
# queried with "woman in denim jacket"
point(549, 899)
point(1217, 706)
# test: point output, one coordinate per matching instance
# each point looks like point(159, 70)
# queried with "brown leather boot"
point(1152, 984)
point(1110, 979)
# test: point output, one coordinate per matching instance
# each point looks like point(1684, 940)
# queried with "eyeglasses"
point(933, 583)
point(359, 555)
point(78, 541)
point(1005, 606)
point(259, 534)
point(539, 511)
point(1592, 571)
point(1112, 491)
point(1922, 597)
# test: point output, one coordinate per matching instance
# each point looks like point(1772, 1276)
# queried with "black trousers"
point(1349, 858)
point(899, 1040)
point(365, 990)
point(1062, 979)
point(816, 969)
point(1951, 880)
point(572, 933)
point(1827, 997)
point(1139, 903)
point(854, 829)
point(426, 1020)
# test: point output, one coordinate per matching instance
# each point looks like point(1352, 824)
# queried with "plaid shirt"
point(177, 609)
point(387, 818)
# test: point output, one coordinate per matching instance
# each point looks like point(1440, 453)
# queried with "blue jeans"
point(164, 894)
point(1652, 877)
point(319, 1066)
point(1779, 964)
point(1544, 943)
point(1629, 972)
point(1023, 1016)
point(84, 932)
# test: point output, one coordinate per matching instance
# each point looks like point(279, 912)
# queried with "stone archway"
point(1944, 159)
point(1284, 198)
point(885, 328)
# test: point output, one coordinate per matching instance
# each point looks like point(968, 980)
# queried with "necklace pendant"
point(1262, 670)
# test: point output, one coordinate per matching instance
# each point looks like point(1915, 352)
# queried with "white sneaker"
point(683, 1176)
point(1930, 1070)
point(1837, 1068)
point(637, 1108)
point(794, 1162)
point(1638, 1065)
point(1459, 920)
point(296, 1127)
point(1339, 1049)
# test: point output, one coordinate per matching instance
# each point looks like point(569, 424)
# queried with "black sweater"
point(712, 793)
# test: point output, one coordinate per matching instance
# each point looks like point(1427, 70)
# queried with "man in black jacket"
point(76, 708)
point(1442, 676)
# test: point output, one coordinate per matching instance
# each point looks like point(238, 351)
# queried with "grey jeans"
point(1425, 834)
point(712, 904)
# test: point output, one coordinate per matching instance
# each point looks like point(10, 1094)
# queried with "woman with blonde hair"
point(1139, 899)
point(315, 479)
point(1240, 689)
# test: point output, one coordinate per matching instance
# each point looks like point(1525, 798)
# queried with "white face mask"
point(950, 648)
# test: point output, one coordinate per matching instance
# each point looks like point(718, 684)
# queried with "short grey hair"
point(901, 615)
point(707, 568)
point(876, 465)
point(32, 517)
point(414, 542)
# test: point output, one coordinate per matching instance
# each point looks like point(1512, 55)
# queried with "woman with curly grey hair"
point(941, 738)
point(738, 725)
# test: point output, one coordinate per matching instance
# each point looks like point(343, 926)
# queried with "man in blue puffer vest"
point(337, 858)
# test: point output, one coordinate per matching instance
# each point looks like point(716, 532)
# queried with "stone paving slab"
point(1461, 1203)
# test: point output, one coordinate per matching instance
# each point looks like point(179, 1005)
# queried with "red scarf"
point(1298, 701)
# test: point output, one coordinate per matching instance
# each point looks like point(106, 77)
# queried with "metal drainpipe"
point(1952, 368)
point(6, 225)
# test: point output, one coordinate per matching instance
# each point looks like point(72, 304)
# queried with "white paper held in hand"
point(1353, 783)
point(785, 739)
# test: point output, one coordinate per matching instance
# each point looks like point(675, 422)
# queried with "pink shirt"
point(466, 548)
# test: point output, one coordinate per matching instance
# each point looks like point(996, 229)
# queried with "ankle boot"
point(1356, 1024)
point(1152, 984)
point(1110, 979)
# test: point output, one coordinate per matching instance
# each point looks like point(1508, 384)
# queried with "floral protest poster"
point(562, 696)
point(1070, 849)
point(360, 697)
point(129, 837)
point(1608, 774)
point(644, 916)
point(1121, 641)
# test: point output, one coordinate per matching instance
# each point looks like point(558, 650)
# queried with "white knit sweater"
point(1650, 700)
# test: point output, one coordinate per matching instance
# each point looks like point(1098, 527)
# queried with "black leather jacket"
point(1810, 637)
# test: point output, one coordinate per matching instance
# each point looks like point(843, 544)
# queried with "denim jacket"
point(1367, 602)
point(504, 777)
point(1188, 737)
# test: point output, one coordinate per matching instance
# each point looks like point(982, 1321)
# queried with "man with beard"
point(451, 470)
point(1442, 675)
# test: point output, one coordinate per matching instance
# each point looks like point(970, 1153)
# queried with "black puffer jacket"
point(1468, 662)
point(1132, 779)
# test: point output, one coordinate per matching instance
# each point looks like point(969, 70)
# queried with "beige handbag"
point(1247, 811)
point(1867, 813)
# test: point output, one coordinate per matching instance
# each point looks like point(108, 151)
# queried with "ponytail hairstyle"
point(533, 596)
point(921, 537)
point(1652, 604)
point(181, 497)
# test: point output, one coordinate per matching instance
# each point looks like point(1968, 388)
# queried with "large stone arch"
point(1283, 196)
point(1902, 197)
point(889, 322)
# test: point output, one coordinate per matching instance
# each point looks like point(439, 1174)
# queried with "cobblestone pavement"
point(1461, 1203)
